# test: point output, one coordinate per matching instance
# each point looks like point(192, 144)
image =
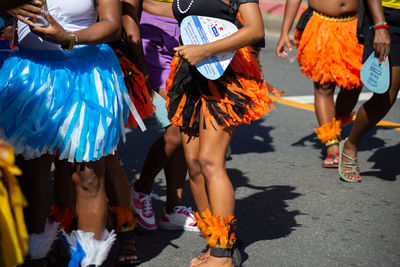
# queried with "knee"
point(193, 167)
point(172, 137)
point(87, 182)
point(326, 89)
point(207, 167)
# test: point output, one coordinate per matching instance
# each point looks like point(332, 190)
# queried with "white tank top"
point(72, 15)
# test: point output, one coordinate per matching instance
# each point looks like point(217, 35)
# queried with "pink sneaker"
point(143, 207)
point(180, 219)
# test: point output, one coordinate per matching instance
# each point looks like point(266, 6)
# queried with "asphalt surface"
point(292, 212)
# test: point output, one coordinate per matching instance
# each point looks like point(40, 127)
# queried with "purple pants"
point(159, 37)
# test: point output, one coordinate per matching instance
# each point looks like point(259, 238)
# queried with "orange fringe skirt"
point(329, 52)
point(136, 84)
point(239, 96)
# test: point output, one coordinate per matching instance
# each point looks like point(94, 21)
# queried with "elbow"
point(259, 35)
point(116, 33)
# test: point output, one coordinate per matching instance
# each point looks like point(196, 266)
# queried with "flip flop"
point(353, 165)
point(333, 164)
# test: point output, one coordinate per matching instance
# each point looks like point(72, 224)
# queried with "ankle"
point(140, 188)
point(170, 207)
point(349, 146)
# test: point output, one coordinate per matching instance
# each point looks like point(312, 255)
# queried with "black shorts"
point(392, 17)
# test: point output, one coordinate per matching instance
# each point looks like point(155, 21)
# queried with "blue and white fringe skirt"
point(72, 103)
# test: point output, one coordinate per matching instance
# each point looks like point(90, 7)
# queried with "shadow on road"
point(368, 142)
point(386, 162)
point(263, 215)
point(256, 137)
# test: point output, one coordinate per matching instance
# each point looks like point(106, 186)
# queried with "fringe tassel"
point(40, 244)
point(329, 52)
point(122, 219)
point(136, 84)
point(65, 217)
point(218, 231)
point(87, 249)
point(328, 131)
point(239, 96)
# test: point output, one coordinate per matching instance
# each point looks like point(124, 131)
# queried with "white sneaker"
point(143, 207)
point(181, 219)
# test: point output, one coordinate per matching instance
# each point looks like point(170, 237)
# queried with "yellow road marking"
point(310, 107)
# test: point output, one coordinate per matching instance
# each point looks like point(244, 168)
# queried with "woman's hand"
point(30, 10)
point(193, 54)
point(381, 44)
point(54, 32)
point(284, 43)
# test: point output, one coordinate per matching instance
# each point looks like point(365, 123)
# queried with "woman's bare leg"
point(118, 193)
point(325, 110)
point(91, 199)
point(191, 148)
point(175, 174)
point(369, 114)
point(347, 100)
point(161, 154)
point(34, 184)
point(64, 192)
point(214, 142)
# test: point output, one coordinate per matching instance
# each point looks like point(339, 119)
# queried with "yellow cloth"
point(391, 3)
point(168, 1)
point(13, 234)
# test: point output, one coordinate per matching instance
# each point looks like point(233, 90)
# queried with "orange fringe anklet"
point(329, 131)
point(218, 231)
point(122, 219)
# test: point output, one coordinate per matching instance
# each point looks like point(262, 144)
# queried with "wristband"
point(73, 40)
point(379, 23)
point(382, 26)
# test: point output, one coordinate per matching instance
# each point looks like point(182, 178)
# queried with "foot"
point(200, 259)
point(350, 150)
point(128, 254)
point(332, 158)
point(217, 262)
point(143, 207)
point(180, 219)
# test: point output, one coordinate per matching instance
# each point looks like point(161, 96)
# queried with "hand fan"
point(375, 76)
point(199, 30)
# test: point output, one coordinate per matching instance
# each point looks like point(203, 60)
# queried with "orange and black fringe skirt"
point(329, 52)
point(240, 95)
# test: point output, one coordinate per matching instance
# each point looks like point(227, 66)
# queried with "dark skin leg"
point(117, 187)
point(206, 157)
point(64, 193)
point(369, 114)
point(91, 199)
point(325, 108)
point(64, 197)
point(191, 148)
point(214, 143)
point(34, 185)
point(165, 153)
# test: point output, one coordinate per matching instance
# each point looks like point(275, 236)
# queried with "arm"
point(252, 31)
point(130, 23)
point(291, 8)
point(108, 27)
point(381, 37)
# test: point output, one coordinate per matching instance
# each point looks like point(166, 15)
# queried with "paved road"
point(291, 211)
